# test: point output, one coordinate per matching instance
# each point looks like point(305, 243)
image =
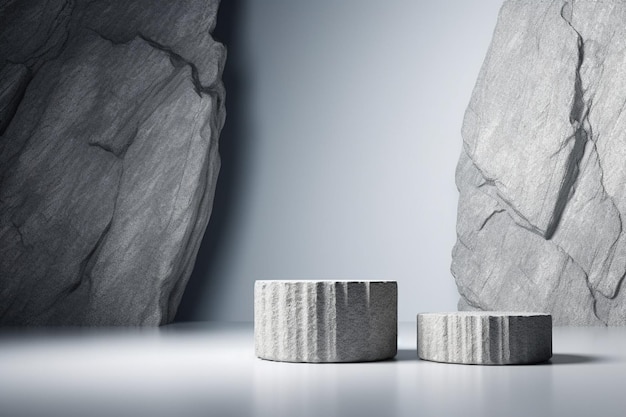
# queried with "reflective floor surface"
point(209, 369)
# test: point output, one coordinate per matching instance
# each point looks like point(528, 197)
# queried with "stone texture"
point(541, 175)
point(485, 337)
point(110, 113)
point(325, 321)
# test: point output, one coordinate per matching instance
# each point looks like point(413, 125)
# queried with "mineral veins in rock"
point(484, 337)
point(110, 113)
point(542, 174)
point(325, 321)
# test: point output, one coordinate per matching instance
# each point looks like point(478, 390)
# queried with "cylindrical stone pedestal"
point(325, 321)
point(484, 337)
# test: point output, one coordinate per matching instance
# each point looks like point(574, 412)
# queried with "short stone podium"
point(325, 321)
point(484, 337)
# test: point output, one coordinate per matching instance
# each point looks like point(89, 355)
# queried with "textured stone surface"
point(541, 175)
point(110, 113)
point(325, 321)
point(484, 337)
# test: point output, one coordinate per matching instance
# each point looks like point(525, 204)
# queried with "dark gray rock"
point(13, 81)
point(484, 337)
point(541, 175)
point(110, 113)
point(325, 321)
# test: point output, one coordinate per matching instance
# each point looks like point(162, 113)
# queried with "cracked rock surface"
point(110, 113)
point(541, 175)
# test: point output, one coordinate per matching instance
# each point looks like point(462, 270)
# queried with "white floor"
point(209, 369)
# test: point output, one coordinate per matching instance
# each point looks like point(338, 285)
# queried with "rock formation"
point(110, 112)
point(542, 178)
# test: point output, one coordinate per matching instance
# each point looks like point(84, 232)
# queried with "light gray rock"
point(484, 337)
point(110, 113)
point(541, 175)
point(325, 321)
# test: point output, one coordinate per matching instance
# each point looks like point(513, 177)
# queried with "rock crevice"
point(578, 120)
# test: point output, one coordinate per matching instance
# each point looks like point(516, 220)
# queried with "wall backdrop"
point(340, 147)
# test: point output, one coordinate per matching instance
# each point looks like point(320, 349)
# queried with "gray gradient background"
point(340, 146)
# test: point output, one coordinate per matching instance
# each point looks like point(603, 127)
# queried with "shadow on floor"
point(406, 355)
point(571, 359)
point(557, 358)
